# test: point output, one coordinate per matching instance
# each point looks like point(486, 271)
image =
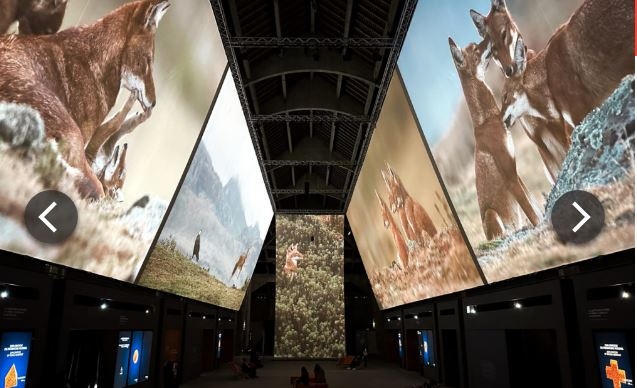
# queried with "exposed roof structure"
point(312, 76)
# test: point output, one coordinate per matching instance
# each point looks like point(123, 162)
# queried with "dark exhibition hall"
point(317, 193)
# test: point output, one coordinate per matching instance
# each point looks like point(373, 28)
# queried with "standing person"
point(176, 375)
point(171, 378)
point(365, 354)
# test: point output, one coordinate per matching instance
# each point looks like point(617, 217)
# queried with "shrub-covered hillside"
point(309, 303)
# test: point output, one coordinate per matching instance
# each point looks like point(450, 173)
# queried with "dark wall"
point(451, 342)
point(26, 309)
point(199, 340)
point(76, 317)
point(532, 331)
point(602, 306)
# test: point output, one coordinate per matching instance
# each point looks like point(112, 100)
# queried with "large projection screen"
point(210, 243)
point(309, 308)
point(139, 170)
point(408, 238)
point(597, 156)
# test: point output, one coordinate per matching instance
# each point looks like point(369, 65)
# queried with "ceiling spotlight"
point(415, 316)
point(4, 294)
point(204, 317)
point(147, 311)
point(517, 305)
point(399, 318)
point(103, 306)
point(625, 294)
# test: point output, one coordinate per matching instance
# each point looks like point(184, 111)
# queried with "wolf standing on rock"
point(72, 78)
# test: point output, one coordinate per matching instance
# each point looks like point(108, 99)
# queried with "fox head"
point(498, 26)
point(114, 174)
point(384, 211)
point(293, 253)
point(396, 189)
point(139, 51)
point(473, 60)
point(515, 100)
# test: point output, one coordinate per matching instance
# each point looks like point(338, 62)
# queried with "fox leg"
point(492, 224)
point(107, 129)
point(550, 164)
point(522, 196)
point(126, 127)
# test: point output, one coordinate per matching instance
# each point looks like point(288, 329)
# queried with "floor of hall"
point(274, 374)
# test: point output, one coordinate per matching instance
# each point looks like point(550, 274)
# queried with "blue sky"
point(426, 65)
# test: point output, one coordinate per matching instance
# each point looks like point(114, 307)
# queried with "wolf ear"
point(520, 55)
point(155, 14)
point(380, 200)
point(480, 21)
point(385, 178)
point(456, 53)
point(499, 5)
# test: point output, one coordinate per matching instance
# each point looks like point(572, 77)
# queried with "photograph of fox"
point(409, 241)
point(309, 307)
point(515, 99)
point(102, 100)
point(212, 237)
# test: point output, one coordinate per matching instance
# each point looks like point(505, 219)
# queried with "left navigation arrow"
point(51, 217)
point(45, 213)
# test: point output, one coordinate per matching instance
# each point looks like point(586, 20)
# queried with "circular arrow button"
point(50, 217)
point(577, 217)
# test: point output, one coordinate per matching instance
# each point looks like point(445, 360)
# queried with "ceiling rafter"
point(243, 42)
point(312, 76)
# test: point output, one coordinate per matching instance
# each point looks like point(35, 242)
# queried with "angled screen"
point(509, 148)
point(410, 243)
point(309, 308)
point(119, 166)
point(211, 241)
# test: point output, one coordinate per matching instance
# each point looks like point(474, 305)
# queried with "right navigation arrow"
point(585, 216)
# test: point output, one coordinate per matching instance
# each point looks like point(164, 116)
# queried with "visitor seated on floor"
point(249, 369)
point(355, 363)
point(255, 359)
point(344, 360)
point(319, 374)
point(304, 379)
point(236, 369)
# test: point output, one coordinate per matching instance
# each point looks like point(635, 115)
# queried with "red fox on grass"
point(402, 251)
point(415, 220)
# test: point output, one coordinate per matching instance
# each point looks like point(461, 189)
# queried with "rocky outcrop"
point(603, 146)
